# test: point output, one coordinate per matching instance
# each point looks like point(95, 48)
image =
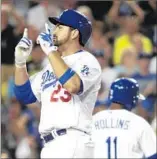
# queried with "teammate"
point(67, 88)
point(119, 133)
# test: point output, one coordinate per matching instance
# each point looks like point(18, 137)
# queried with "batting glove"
point(46, 42)
point(23, 49)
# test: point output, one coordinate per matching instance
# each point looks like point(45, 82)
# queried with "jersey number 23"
point(55, 96)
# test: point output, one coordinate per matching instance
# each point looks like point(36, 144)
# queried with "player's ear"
point(74, 34)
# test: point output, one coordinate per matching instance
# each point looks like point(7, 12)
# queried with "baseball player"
point(67, 87)
point(119, 133)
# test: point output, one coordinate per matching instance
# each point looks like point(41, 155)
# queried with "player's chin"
point(56, 43)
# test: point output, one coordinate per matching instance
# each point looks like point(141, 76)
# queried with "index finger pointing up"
point(25, 33)
point(47, 28)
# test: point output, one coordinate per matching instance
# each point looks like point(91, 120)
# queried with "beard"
point(59, 42)
point(55, 41)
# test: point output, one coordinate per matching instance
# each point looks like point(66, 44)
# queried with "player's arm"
point(22, 88)
point(66, 76)
point(80, 78)
point(148, 142)
point(113, 12)
point(137, 9)
point(72, 79)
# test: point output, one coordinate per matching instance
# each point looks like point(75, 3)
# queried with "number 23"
point(66, 97)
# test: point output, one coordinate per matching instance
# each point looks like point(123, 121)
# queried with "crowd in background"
point(124, 40)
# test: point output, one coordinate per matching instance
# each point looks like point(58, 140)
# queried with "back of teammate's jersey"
point(122, 134)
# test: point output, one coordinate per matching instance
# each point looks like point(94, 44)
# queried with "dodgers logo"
point(46, 78)
point(85, 70)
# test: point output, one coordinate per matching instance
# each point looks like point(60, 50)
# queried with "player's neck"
point(115, 106)
point(69, 49)
point(99, 109)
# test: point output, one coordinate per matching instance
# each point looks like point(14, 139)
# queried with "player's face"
point(61, 35)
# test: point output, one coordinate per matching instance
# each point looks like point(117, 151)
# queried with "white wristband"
point(20, 65)
point(53, 48)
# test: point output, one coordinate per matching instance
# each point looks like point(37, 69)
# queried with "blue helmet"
point(125, 91)
point(75, 20)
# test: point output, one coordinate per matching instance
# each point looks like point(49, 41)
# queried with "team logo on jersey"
point(48, 79)
point(85, 70)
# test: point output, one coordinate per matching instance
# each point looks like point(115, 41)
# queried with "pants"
point(74, 144)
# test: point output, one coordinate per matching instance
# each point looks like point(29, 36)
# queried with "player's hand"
point(130, 2)
point(23, 49)
point(46, 42)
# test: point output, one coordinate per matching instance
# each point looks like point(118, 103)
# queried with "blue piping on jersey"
point(78, 51)
point(49, 84)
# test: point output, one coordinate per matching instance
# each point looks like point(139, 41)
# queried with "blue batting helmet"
point(125, 91)
point(75, 20)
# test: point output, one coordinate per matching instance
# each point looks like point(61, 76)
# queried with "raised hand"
point(45, 41)
point(23, 49)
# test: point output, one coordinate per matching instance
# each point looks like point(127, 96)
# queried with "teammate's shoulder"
point(138, 119)
point(132, 114)
point(142, 124)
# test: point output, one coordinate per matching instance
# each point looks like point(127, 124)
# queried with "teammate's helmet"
point(77, 21)
point(125, 91)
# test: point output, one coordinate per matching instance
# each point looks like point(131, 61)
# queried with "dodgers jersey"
point(122, 134)
point(59, 108)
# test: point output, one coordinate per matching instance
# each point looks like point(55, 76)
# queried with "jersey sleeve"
point(89, 72)
point(148, 141)
point(35, 81)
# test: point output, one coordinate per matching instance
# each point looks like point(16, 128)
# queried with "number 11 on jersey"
point(109, 145)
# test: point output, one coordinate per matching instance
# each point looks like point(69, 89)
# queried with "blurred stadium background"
point(124, 41)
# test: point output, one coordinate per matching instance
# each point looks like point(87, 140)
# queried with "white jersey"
point(59, 108)
point(122, 134)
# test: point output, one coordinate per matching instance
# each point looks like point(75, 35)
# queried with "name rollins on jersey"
point(112, 124)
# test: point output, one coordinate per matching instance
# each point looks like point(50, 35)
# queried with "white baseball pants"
point(74, 144)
